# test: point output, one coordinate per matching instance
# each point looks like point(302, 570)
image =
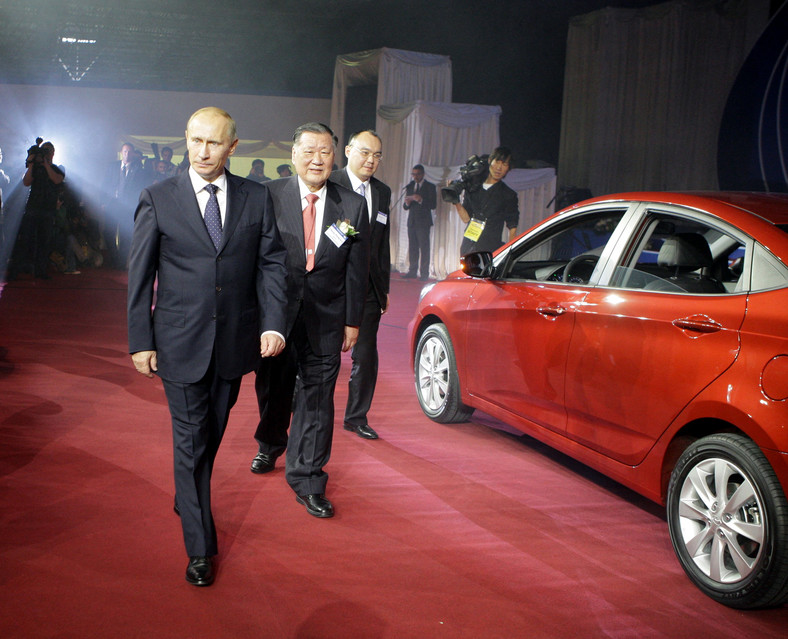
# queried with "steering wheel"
point(589, 260)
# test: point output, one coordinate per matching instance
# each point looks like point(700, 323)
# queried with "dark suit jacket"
point(380, 246)
point(125, 190)
point(333, 292)
point(421, 214)
point(204, 297)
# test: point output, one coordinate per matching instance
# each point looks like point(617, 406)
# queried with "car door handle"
point(551, 310)
point(698, 324)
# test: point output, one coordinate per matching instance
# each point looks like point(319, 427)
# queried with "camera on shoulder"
point(472, 176)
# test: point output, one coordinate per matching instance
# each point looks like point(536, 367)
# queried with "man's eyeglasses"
point(365, 153)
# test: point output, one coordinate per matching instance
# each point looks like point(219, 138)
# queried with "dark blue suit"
point(211, 308)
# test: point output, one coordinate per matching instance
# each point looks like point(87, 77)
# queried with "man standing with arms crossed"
point(364, 152)
point(325, 228)
point(210, 238)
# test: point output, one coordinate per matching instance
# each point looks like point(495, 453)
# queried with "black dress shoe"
point(199, 572)
point(364, 431)
point(409, 276)
point(263, 463)
point(316, 505)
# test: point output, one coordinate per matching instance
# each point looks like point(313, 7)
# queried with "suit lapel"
point(186, 204)
point(236, 200)
point(331, 213)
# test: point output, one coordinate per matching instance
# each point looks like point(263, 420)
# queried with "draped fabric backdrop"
point(645, 89)
point(401, 76)
point(441, 137)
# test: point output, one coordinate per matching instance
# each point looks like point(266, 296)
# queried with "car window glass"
point(577, 243)
point(682, 255)
point(767, 271)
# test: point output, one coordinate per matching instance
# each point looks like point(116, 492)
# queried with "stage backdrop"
point(434, 134)
point(401, 76)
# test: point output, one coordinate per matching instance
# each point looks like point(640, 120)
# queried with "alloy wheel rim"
point(722, 520)
point(433, 374)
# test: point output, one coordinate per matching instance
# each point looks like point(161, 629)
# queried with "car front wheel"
point(437, 383)
point(728, 521)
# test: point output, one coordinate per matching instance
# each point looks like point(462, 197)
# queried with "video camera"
point(472, 175)
point(35, 153)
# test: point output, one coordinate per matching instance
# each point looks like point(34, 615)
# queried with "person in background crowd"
point(257, 174)
point(420, 200)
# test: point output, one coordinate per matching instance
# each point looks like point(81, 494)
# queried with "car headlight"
point(426, 290)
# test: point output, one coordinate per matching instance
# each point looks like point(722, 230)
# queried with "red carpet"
point(441, 531)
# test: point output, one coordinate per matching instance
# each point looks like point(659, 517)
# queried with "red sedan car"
point(646, 335)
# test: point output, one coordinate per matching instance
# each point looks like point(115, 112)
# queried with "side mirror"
point(477, 264)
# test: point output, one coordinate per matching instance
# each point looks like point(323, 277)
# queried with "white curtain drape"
point(644, 92)
point(441, 137)
point(401, 76)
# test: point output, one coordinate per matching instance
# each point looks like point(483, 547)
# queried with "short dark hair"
point(258, 161)
point(282, 167)
point(357, 133)
point(418, 167)
point(502, 153)
point(313, 127)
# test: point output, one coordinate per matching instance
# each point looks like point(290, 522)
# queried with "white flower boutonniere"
point(347, 228)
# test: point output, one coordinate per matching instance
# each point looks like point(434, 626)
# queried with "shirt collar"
point(303, 189)
point(355, 182)
point(199, 183)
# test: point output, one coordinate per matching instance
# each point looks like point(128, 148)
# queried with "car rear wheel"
point(437, 383)
point(728, 521)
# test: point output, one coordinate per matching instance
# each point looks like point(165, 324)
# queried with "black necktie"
point(213, 220)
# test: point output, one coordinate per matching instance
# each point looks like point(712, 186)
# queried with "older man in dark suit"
point(211, 240)
point(364, 152)
point(325, 228)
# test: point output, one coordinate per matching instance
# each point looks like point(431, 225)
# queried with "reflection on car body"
point(645, 335)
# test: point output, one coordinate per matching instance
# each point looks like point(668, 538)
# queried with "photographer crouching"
point(488, 203)
point(34, 241)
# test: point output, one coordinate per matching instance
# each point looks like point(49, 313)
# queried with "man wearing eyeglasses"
point(420, 200)
point(363, 153)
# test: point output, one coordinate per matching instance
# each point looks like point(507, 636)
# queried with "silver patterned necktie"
point(213, 220)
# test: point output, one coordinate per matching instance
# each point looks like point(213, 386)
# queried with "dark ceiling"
point(509, 53)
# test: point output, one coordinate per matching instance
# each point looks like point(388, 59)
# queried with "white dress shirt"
point(320, 206)
point(199, 184)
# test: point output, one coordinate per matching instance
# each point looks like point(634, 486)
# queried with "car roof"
point(770, 206)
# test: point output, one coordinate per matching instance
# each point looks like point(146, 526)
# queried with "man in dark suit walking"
point(364, 152)
point(325, 228)
point(210, 238)
point(420, 200)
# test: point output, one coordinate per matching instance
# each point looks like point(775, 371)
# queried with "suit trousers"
point(364, 372)
point(199, 414)
point(314, 379)
point(419, 247)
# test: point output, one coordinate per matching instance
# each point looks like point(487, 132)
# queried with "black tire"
point(435, 373)
point(728, 521)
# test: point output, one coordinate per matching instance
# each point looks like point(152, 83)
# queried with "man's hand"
point(386, 307)
point(271, 345)
point(145, 362)
point(351, 337)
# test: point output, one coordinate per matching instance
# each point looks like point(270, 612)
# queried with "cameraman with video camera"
point(488, 205)
point(35, 235)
